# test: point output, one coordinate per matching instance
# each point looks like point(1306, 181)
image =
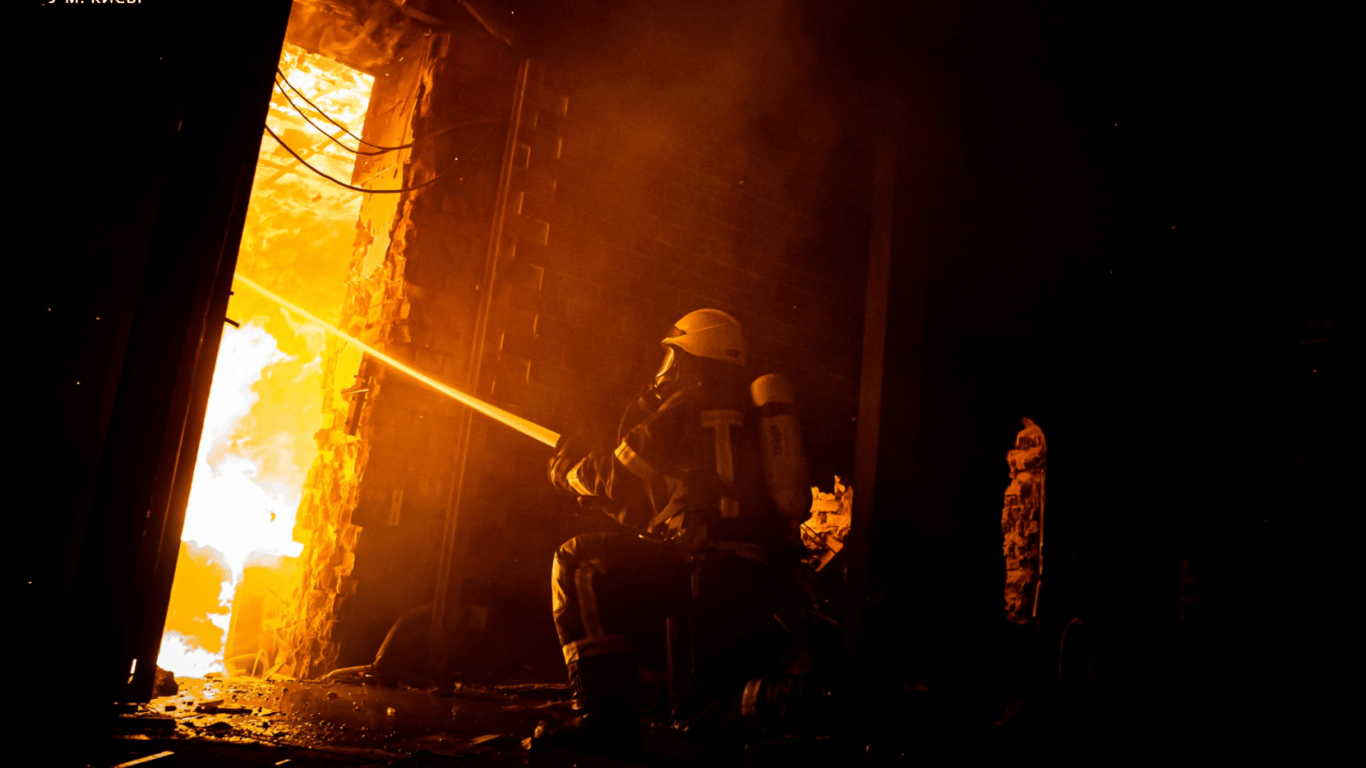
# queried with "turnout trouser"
point(614, 591)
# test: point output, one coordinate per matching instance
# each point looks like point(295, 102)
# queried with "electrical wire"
point(358, 151)
point(281, 75)
point(348, 132)
point(341, 183)
point(334, 139)
point(324, 114)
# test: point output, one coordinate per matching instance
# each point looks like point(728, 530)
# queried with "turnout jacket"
point(689, 471)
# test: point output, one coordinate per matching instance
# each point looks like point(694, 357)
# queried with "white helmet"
point(709, 333)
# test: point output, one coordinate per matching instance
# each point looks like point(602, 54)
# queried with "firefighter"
point(701, 542)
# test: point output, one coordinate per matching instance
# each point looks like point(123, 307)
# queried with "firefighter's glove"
point(568, 452)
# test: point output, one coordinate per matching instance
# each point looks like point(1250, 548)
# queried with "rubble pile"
point(1022, 523)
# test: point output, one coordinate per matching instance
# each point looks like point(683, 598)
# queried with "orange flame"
point(266, 400)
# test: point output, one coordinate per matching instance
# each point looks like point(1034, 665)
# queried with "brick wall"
point(377, 500)
point(439, 242)
point(617, 224)
point(615, 230)
point(636, 228)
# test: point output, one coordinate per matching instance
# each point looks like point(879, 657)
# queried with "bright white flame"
point(267, 398)
point(228, 510)
point(183, 659)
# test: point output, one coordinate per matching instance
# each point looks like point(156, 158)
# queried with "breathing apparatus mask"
point(664, 383)
point(706, 334)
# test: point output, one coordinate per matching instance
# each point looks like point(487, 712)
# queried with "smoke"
point(765, 77)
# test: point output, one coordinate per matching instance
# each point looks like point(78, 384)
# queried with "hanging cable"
point(341, 183)
point(359, 151)
point(334, 139)
point(324, 114)
point(348, 132)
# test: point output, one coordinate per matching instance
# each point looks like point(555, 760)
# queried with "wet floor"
point(312, 713)
point(245, 721)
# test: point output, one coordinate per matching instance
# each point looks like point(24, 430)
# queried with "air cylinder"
point(780, 440)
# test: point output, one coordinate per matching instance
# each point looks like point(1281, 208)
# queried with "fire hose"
point(526, 427)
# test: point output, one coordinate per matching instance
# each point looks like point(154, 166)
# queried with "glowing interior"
point(267, 398)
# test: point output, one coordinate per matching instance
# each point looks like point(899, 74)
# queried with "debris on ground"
point(250, 721)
